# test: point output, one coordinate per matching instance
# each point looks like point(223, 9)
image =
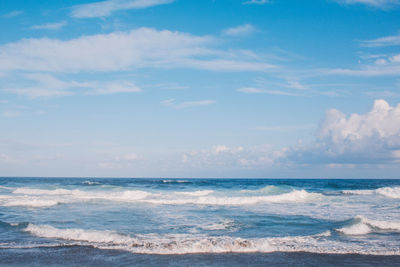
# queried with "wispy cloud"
point(256, 2)
point(393, 40)
point(252, 90)
point(11, 114)
point(188, 104)
point(384, 66)
point(106, 8)
point(45, 86)
point(12, 14)
point(374, 3)
point(114, 88)
point(50, 26)
point(139, 48)
point(242, 30)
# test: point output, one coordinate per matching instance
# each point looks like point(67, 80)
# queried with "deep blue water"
point(73, 221)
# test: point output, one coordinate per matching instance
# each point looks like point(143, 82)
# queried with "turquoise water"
point(159, 219)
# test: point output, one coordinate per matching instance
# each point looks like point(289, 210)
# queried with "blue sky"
point(213, 88)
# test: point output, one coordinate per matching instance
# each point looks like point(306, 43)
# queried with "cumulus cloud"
point(241, 30)
point(118, 51)
point(370, 138)
point(106, 8)
point(187, 104)
point(50, 26)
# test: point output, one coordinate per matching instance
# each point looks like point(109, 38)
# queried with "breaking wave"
point(31, 197)
point(362, 226)
point(293, 196)
point(184, 243)
point(196, 193)
point(390, 192)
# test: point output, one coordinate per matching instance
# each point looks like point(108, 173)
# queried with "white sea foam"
point(111, 195)
point(266, 190)
point(365, 226)
point(32, 203)
point(31, 197)
point(184, 243)
point(6, 187)
point(196, 193)
point(390, 192)
point(294, 196)
point(225, 224)
point(91, 183)
point(175, 181)
point(94, 236)
point(358, 192)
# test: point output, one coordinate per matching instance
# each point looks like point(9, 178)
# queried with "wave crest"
point(363, 226)
point(185, 243)
point(390, 192)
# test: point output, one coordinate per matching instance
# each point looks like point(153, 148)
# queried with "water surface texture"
point(204, 221)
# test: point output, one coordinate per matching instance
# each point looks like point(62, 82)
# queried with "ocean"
point(199, 222)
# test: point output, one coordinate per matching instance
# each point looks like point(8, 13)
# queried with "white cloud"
point(385, 66)
point(46, 85)
point(106, 8)
point(256, 2)
point(251, 90)
point(375, 3)
point(242, 30)
point(11, 113)
point(223, 157)
point(121, 162)
point(115, 87)
point(50, 26)
point(393, 40)
point(371, 138)
point(188, 104)
point(139, 48)
point(12, 14)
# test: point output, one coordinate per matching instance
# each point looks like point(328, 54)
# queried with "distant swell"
point(184, 243)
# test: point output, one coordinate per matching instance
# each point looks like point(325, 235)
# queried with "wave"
point(363, 226)
point(185, 243)
point(90, 183)
point(32, 197)
point(175, 181)
point(35, 198)
point(390, 192)
point(6, 187)
point(225, 224)
point(293, 196)
point(196, 193)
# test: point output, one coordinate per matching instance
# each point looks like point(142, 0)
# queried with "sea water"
point(88, 221)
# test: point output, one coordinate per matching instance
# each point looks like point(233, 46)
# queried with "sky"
point(211, 88)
